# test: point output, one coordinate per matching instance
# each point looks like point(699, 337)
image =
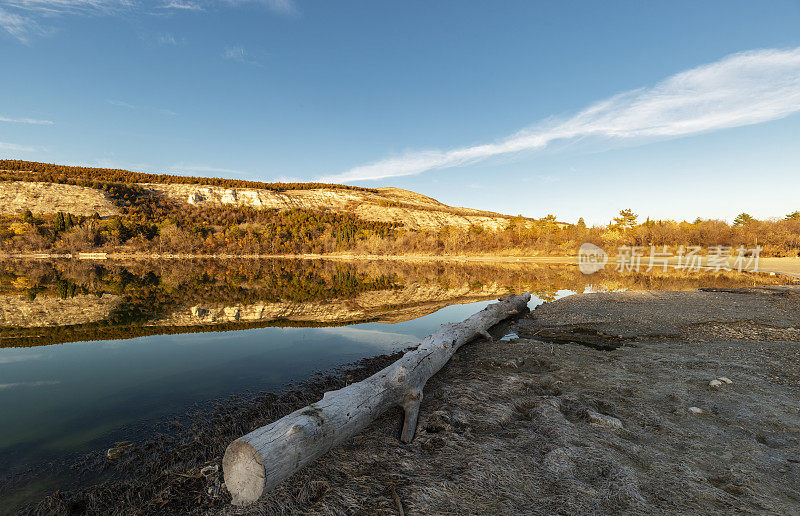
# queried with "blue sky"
point(570, 108)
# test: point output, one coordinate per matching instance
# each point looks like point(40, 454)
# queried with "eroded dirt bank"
point(550, 424)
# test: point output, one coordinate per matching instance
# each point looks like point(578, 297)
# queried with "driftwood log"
point(256, 463)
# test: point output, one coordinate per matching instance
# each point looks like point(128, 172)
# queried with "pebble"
point(209, 470)
point(509, 337)
point(119, 449)
point(603, 420)
point(725, 379)
point(696, 410)
point(715, 383)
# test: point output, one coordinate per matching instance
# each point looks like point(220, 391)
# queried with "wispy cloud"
point(120, 103)
point(23, 28)
point(32, 121)
point(279, 6)
point(59, 7)
point(127, 105)
point(13, 147)
point(182, 6)
point(239, 54)
point(25, 19)
point(741, 89)
point(166, 39)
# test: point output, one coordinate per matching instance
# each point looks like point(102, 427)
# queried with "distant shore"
point(789, 266)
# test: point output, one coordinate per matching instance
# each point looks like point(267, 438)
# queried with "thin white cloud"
point(24, 19)
point(239, 54)
point(59, 7)
point(741, 89)
point(279, 6)
point(32, 121)
point(166, 39)
point(120, 103)
point(126, 105)
point(182, 6)
point(13, 147)
point(23, 28)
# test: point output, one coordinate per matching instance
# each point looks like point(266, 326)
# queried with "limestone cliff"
point(18, 196)
point(414, 211)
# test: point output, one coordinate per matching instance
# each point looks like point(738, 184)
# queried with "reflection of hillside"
point(48, 303)
point(385, 306)
point(22, 312)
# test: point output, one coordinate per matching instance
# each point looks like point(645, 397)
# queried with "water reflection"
point(142, 342)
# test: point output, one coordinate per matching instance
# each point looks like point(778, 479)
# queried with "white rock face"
point(415, 212)
point(18, 196)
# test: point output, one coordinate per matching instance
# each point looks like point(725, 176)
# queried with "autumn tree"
point(742, 219)
point(625, 221)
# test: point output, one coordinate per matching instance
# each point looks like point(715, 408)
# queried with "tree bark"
point(255, 463)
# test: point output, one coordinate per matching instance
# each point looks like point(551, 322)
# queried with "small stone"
point(603, 420)
point(119, 450)
point(509, 337)
point(715, 383)
point(209, 470)
point(725, 379)
point(696, 410)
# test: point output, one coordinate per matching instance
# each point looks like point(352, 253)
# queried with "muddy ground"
point(603, 404)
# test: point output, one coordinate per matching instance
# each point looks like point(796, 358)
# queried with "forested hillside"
point(73, 209)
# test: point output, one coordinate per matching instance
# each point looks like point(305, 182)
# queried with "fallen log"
point(255, 463)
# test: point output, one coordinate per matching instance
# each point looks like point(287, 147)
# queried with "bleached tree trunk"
point(257, 462)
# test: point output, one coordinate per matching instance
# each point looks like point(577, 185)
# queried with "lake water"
point(93, 353)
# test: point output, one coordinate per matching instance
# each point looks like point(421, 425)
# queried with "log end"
point(244, 474)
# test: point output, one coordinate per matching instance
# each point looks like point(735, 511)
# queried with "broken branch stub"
point(260, 460)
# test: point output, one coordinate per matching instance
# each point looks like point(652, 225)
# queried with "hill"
point(44, 188)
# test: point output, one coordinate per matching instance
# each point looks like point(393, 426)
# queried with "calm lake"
point(93, 353)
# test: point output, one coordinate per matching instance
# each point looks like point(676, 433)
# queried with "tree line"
point(19, 170)
point(155, 225)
